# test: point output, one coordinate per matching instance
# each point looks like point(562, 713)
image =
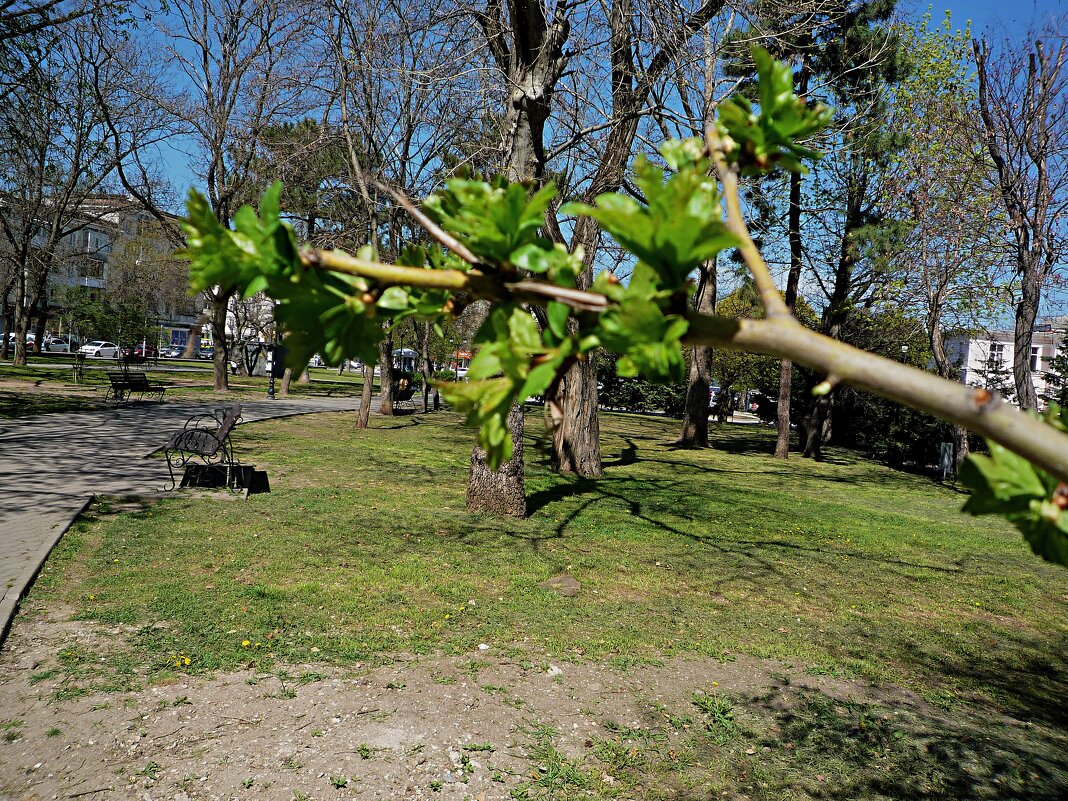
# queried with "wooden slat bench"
point(125, 384)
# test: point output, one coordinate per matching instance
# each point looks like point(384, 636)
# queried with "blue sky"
point(995, 18)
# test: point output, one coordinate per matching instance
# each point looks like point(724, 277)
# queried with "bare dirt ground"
point(394, 731)
point(442, 728)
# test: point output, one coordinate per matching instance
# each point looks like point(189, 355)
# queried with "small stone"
point(483, 647)
point(554, 671)
point(563, 584)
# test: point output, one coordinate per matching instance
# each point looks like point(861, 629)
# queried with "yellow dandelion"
point(246, 643)
point(447, 616)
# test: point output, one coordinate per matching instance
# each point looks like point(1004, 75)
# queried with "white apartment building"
point(85, 254)
point(978, 356)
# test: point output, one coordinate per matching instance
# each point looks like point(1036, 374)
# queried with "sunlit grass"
point(363, 549)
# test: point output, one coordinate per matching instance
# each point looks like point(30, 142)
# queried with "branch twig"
point(774, 305)
point(975, 408)
point(443, 237)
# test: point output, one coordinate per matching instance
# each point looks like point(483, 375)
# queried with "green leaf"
point(394, 298)
point(761, 142)
point(1001, 483)
point(558, 314)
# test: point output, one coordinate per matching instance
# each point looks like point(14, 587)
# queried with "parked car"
point(63, 344)
point(31, 341)
point(205, 352)
point(100, 349)
point(138, 353)
point(172, 352)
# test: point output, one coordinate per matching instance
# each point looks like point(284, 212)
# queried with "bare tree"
point(1023, 105)
point(230, 70)
point(638, 66)
point(402, 87)
point(57, 173)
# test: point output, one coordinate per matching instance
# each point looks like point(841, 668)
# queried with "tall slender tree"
point(1023, 105)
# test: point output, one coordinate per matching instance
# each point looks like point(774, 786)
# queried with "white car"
point(62, 344)
point(100, 349)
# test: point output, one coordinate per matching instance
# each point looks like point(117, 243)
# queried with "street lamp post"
point(270, 371)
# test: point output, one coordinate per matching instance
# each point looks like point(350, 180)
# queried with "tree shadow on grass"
point(840, 748)
point(1025, 673)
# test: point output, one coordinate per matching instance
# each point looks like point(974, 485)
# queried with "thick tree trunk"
point(501, 491)
point(39, 329)
point(363, 414)
point(305, 377)
point(816, 429)
point(221, 361)
point(577, 439)
point(695, 415)
point(1026, 312)
point(531, 67)
point(287, 379)
point(385, 375)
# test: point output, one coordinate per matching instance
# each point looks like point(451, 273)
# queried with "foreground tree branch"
point(977, 409)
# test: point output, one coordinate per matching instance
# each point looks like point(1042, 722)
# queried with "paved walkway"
point(52, 465)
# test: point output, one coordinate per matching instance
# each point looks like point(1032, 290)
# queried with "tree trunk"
point(21, 321)
point(220, 301)
point(1026, 312)
point(695, 415)
point(363, 414)
point(960, 447)
point(817, 427)
point(305, 377)
point(7, 333)
point(424, 364)
point(39, 329)
point(385, 375)
point(501, 491)
point(786, 367)
point(287, 379)
point(530, 68)
point(577, 438)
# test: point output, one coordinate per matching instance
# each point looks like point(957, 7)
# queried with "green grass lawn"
point(363, 550)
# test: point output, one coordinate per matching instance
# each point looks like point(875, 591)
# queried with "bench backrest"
point(128, 378)
point(229, 419)
point(118, 377)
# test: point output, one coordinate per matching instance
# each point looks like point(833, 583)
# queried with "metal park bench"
point(203, 443)
point(205, 454)
point(124, 384)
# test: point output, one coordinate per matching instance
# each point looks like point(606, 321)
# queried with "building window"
point(1036, 357)
point(997, 352)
